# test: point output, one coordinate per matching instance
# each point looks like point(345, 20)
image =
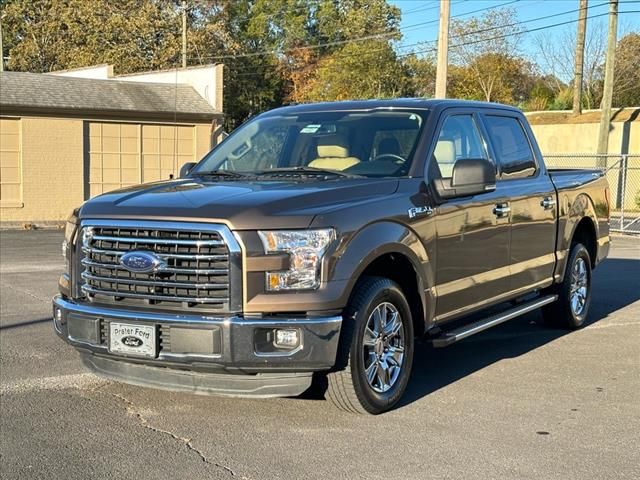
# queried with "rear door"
point(472, 243)
point(531, 199)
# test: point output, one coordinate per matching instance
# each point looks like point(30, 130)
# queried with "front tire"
point(574, 293)
point(375, 353)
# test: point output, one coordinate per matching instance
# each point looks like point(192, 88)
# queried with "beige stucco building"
point(65, 138)
point(562, 132)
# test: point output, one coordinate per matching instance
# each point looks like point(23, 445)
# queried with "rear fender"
point(572, 212)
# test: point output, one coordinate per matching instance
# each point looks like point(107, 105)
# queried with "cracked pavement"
point(518, 401)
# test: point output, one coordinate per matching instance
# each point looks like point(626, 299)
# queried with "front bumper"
point(201, 353)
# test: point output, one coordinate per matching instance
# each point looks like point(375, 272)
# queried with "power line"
point(424, 9)
point(531, 30)
point(497, 37)
point(378, 36)
point(405, 46)
point(431, 22)
point(522, 22)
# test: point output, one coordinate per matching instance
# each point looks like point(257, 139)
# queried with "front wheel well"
point(397, 267)
point(585, 233)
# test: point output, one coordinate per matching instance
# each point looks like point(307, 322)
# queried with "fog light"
point(57, 314)
point(286, 338)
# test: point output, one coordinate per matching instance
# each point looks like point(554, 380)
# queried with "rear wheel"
point(574, 293)
point(375, 351)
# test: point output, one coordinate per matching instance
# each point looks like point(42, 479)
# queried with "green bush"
point(564, 100)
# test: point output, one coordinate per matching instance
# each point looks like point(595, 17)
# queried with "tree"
point(493, 77)
point(626, 87)
point(421, 75)
point(556, 59)
point(358, 70)
point(47, 35)
point(486, 48)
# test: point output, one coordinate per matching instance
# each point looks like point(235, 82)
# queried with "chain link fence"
point(623, 173)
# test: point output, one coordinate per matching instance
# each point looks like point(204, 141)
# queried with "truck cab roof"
point(396, 103)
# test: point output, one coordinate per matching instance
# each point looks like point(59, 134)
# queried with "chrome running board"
point(449, 338)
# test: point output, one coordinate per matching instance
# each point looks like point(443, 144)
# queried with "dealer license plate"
point(127, 339)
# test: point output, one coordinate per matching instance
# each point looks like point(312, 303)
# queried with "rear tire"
point(375, 352)
point(574, 293)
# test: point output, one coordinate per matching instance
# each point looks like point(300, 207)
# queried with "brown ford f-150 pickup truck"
point(319, 241)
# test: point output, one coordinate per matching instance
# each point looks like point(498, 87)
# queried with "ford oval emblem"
point(140, 261)
point(131, 341)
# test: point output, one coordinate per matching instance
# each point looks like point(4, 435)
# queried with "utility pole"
point(443, 50)
point(577, 79)
point(1, 48)
point(184, 34)
point(607, 94)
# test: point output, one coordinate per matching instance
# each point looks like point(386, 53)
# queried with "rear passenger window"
point(511, 146)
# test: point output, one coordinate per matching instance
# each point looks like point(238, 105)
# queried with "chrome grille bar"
point(201, 271)
point(154, 283)
point(161, 255)
point(160, 241)
point(96, 291)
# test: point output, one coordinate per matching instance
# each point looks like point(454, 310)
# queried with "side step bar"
point(449, 338)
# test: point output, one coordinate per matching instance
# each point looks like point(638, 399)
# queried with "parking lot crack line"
point(187, 441)
point(26, 292)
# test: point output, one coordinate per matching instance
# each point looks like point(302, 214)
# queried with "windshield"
point(371, 144)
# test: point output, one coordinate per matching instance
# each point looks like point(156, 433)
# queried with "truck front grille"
point(197, 271)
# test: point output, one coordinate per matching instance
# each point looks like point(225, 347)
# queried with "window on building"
point(165, 148)
point(10, 163)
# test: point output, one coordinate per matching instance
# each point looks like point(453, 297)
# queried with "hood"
point(243, 205)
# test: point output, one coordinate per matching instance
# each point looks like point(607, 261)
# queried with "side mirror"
point(471, 176)
point(186, 168)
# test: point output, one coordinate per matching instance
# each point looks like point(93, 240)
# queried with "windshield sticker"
point(310, 129)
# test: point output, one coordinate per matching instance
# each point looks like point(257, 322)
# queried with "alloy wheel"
point(383, 347)
point(579, 286)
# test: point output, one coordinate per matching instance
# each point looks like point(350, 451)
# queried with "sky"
point(421, 11)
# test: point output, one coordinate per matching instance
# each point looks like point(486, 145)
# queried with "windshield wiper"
point(304, 169)
point(221, 173)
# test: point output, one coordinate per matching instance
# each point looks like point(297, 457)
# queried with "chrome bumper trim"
point(238, 348)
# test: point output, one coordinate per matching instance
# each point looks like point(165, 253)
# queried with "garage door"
point(125, 154)
point(10, 168)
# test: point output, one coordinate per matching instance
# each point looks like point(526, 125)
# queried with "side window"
point(511, 146)
point(459, 139)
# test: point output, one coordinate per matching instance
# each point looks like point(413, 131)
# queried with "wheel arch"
point(580, 223)
point(393, 251)
point(585, 233)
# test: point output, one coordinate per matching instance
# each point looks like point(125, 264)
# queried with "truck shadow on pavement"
point(615, 285)
point(25, 324)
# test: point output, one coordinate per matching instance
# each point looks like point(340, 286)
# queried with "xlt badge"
point(415, 211)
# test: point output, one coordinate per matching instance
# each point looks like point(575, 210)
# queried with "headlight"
point(306, 248)
point(69, 233)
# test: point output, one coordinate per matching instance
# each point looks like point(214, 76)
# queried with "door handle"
point(548, 203)
point(501, 210)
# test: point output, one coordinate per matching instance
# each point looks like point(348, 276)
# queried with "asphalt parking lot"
point(519, 401)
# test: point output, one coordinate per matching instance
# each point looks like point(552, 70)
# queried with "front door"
point(472, 235)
